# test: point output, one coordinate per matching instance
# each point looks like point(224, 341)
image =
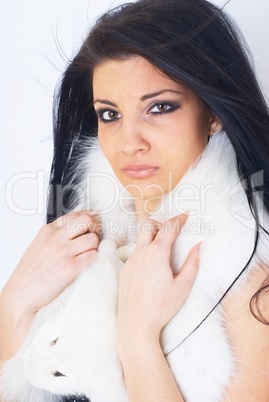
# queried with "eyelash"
point(172, 107)
point(100, 114)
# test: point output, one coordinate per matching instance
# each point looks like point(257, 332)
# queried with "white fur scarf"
point(71, 347)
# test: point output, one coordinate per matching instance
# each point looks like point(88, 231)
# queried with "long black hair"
point(193, 42)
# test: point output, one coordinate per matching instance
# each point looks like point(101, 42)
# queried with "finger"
point(170, 230)
point(185, 279)
point(85, 260)
point(84, 243)
point(79, 225)
point(64, 219)
point(147, 232)
point(61, 221)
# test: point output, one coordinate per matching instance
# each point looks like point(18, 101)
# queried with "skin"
point(249, 339)
point(134, 126)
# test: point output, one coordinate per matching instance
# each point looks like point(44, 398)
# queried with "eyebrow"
point(142, 99)
point(153, 94)
point(107, 102)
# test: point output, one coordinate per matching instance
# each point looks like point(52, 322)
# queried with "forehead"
point(134, 71)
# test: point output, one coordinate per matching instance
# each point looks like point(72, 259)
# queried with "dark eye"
point(107, 116)
point(163, 107)
point(110, 115)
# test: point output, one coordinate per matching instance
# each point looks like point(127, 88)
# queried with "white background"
point(36, 40)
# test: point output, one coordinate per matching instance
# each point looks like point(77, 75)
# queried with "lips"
point(140, 171)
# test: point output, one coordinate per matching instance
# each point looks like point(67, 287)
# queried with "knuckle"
point(78, 224)
point(87, 220)
point(86, 217)
point(68, 260)
point(85, 260)
point(84, 211)
point(94, 240)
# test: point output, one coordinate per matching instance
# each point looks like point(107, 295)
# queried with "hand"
point(59, 252)
point(149, 294)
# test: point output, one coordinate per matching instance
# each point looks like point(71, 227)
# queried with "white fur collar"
point(83, 318)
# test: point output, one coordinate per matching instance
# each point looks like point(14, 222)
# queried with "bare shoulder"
point(249, 339)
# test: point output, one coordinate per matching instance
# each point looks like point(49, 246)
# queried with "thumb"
point(170, 230)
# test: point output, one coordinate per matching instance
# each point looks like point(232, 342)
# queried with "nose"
point(132, 137)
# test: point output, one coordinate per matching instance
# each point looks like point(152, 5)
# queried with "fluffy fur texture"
point(71, 348)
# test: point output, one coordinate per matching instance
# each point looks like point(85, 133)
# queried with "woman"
point(176, 67)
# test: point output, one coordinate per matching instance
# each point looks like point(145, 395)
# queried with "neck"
point(145, 207)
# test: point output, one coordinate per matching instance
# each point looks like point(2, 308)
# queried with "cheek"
point(180, 153)
point(108, 151)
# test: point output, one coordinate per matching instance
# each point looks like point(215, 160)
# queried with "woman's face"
point(150, 128)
